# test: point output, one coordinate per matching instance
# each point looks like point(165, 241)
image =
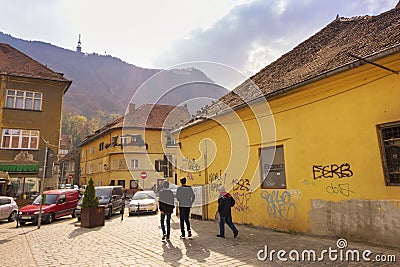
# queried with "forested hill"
point(106, 83)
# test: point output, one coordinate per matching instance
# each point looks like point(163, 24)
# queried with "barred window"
point(24, 100)
point(19, 139)
point(389, 135)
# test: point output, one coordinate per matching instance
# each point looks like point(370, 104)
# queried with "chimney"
point(131, 107)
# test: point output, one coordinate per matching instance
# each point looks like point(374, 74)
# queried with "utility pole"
point(42, 182)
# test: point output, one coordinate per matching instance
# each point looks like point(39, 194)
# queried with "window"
point(134, 163)
point(122, 164)
point(91, 150)
point(121, 183)
point(389, 135)
point(167, 166)
point(133, 184)
point(20, 139)
point(100, 167)
point(83, 154)
point(113, 164)
point(158, 164)
point(112, 182)
point(101, 146)
point(273, 174)
point(114, 140)
point(91, 169)
point(24, 100)
point(171, 142)
point(132, 140)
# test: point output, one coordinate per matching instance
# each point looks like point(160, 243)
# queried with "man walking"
point(225, 203)
point(166, 206)
point(185, 197)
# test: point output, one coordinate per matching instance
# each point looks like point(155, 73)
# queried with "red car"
point(56, 203)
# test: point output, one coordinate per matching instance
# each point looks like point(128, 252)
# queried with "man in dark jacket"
point(166, 206)
point(225, 203)
point(185, 197)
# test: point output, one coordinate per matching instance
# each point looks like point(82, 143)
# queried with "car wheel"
point(110, 212)
point(12, 216)
point(50, 219)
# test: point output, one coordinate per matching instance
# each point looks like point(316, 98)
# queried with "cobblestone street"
point(136, 241)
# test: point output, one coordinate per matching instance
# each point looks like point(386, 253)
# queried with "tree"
point(89, 198)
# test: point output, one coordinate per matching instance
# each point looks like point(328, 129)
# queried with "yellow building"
point(134, 150)
point(31, 98)
point(311, 143)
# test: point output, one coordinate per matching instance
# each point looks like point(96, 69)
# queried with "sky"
point(246, 35)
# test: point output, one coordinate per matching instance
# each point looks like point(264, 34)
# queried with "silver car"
point(8, 208)
point(143, 201)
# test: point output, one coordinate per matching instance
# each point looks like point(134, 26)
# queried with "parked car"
point(8, 209)
point(109, 196)
point(143, 201)
point(56, 203)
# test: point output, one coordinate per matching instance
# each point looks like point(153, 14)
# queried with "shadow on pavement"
point(80, 230)
point(171, 254)
point(196, 251)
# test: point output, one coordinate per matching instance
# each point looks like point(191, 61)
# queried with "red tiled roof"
point(327, 50)
point(148, 116)
point(14, 62)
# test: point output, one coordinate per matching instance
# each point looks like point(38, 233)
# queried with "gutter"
point(351, 65)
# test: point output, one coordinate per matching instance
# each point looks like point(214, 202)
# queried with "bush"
point(89, 197)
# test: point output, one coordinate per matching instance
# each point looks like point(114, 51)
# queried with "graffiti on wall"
point(241, 193)
point(280, 205)
point(343, 189)
point(331, 171)
point(216, 179)
point(189, 167)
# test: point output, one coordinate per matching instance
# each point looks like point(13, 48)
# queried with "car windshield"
point(103, 192)
point(48, 199)
point(140, 196)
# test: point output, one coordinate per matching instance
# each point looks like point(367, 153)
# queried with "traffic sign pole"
point(143, 175)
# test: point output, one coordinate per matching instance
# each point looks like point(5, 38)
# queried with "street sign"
point(143, 175)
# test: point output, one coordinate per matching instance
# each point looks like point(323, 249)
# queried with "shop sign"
point(14, 168)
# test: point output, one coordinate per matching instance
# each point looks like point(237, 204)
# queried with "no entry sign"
point(143, 175)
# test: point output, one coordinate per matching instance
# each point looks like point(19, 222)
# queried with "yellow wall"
point(330, 122)
point(155, 139)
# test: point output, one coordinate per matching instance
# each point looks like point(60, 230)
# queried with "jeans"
point(166, 215)
point(229, 222)
point(184, 218)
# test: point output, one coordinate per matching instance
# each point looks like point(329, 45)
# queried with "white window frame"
point(19, 99)
point(17, 136)
point(134, 164)
point(90, 169)
point(91, 150)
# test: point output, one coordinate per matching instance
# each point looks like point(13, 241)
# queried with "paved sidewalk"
point(136, 241)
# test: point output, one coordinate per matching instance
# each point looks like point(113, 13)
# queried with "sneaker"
point(235, 234)
point(183, 237)
point(164, 237)
point(220, 236)
point(189, 233)
point(167, 237)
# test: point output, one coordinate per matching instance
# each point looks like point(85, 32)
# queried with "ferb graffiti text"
point(331, 171)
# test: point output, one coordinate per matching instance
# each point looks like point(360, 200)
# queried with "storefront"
point(19, 178)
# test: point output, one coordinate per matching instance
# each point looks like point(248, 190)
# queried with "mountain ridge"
point(107, 83)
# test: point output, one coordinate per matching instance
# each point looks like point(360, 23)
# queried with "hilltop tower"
point(79, 48)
